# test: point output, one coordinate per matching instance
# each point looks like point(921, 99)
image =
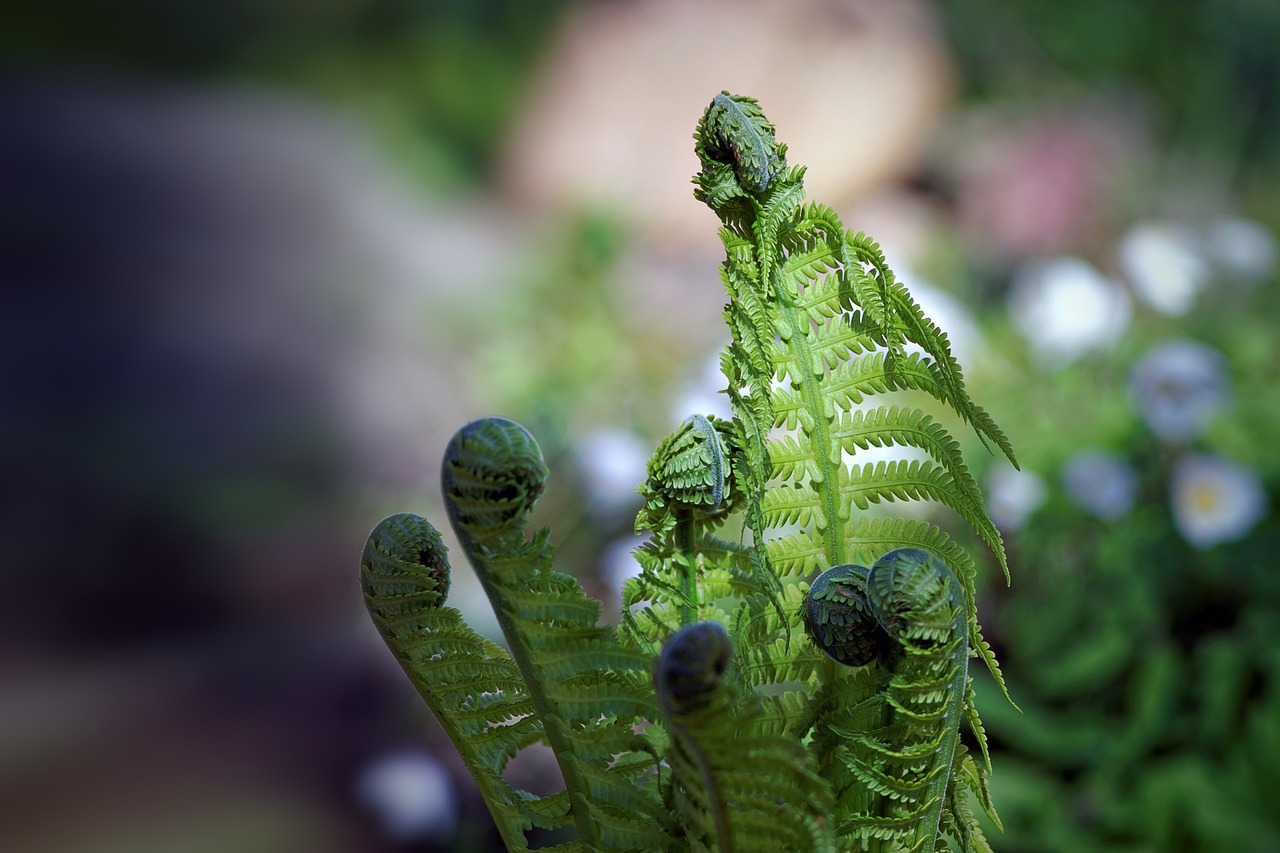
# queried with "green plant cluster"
point(726, 711)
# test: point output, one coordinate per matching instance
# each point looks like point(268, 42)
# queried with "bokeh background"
point(260, 259)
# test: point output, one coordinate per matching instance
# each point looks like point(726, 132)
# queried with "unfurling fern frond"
point(469, 683)
point(694, 484)
point(588, 690)
point(820, 324)
point(912, 764)
point(735, 787)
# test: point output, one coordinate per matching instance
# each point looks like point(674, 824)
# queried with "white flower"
point(411, 795)
point(1162, 262)
point(1012, 495)
point(1064, 308)
point(612, 464)
point(1101, 482)
point(1177, 388)
point(1243, 249)
point(1215, 500)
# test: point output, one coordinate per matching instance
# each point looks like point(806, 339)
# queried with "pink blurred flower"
point(1040, 187)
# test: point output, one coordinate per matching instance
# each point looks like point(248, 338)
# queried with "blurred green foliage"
point(1210, 68)
point(438, 79)
point(1146, 667)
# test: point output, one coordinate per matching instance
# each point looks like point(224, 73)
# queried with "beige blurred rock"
point(855, 88)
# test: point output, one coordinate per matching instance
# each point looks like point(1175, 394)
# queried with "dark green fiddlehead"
point(588, 691)
point(469, 683)
point(911, 603)
point(838, 617)
point(735, 787)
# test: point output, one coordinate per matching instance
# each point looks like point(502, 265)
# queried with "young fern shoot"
point(764, 690)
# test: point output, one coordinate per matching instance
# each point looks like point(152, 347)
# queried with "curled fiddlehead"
point(693, 485)
point(734, 132)
point(838, 617)
point(493, 475)
point(405, 566)
point(691, 471)
point(911, 592)
point(692, 662)
point(736, 787)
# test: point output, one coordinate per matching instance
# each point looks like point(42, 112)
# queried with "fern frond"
point(404, 573)
point(493, 474)
point(918, 601)
point(670, 735)
point(746, 791)
point(920, 330)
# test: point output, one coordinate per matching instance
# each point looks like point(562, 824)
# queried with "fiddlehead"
point(692, 487)
point(734, 132)
point(691, 471)
point(470, 684)
point(493, 475)
point(838, 617)
point(587, 690)
point(735, 787)
point(690, 667)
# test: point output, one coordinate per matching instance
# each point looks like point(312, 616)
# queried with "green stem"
point(553, 726)
point(685, 535)
point(711, 785)
point(820, 437)
point(511, 837)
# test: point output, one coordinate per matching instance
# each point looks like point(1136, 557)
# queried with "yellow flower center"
point(1204, 497)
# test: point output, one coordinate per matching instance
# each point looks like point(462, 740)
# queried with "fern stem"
point(686, 535)
point(715, 797)
point(553, 726)
point(511, 835)
point(493, 475)
point(820, 437)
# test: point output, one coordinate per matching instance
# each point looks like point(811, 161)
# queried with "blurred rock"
point(226, 329)
point(854, 87)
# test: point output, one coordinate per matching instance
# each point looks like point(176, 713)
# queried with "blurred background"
point(261, 259)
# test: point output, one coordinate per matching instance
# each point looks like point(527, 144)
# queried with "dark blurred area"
point(259, 259)
point(186, 666)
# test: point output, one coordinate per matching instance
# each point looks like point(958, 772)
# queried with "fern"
point(763, 691)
